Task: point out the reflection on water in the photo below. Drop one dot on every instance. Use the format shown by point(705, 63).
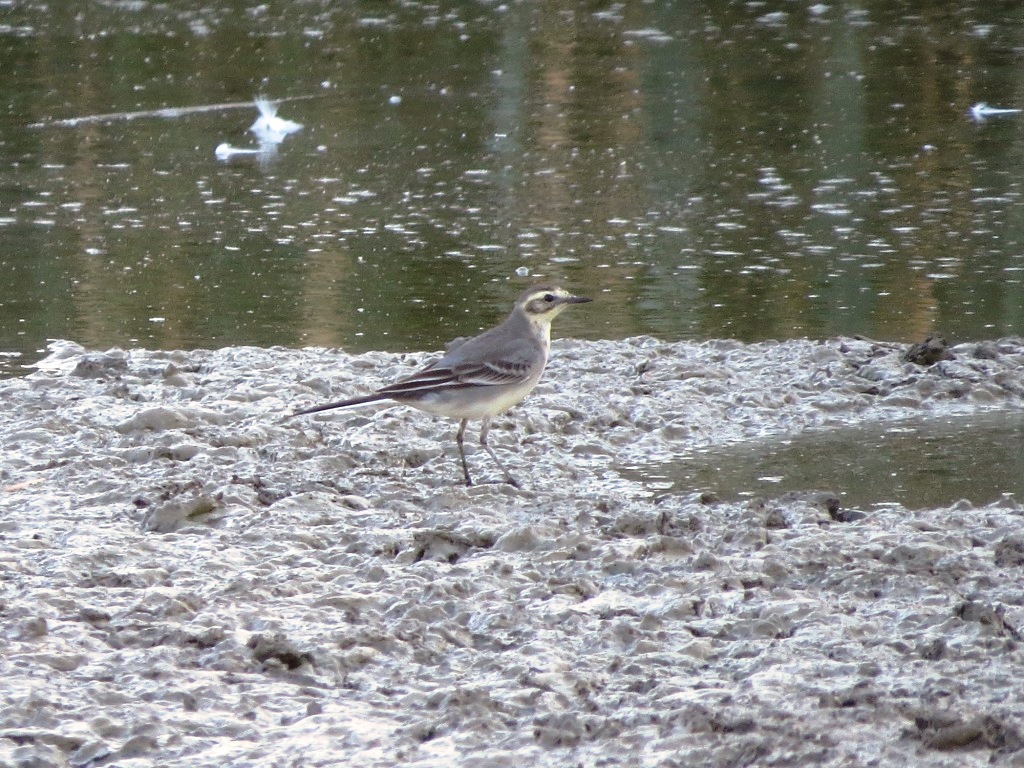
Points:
point(919, 464)
point(704, 171)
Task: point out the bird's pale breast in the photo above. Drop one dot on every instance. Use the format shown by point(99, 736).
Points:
point(472, 402)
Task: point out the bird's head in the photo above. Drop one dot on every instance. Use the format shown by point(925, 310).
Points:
point(544, 302)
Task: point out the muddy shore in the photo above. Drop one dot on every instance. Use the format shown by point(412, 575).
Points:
point(189, 579)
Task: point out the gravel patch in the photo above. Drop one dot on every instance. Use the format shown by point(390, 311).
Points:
point(191, 579)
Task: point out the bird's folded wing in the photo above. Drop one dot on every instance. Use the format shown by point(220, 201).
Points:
point(493, 373)
point(440, 377)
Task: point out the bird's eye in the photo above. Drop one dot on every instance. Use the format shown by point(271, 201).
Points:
point(549, 297)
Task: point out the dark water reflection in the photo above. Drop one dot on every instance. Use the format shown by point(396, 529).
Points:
point(705, 170)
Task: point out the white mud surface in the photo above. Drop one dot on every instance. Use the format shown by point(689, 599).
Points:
point(188, 580)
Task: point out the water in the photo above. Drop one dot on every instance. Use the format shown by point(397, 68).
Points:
point(921, 464)
point(724, 171)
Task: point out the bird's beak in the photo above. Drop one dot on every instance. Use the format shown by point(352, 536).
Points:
point(576, 300)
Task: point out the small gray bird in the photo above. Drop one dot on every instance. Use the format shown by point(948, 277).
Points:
point(485, 375)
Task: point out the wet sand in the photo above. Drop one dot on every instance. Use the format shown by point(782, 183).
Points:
point(191, 580)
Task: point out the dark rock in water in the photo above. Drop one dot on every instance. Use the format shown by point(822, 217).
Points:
point(928, 352)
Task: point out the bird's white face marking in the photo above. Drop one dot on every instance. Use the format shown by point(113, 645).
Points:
point(545, 303)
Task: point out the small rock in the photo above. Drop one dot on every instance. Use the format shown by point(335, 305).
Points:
point(986, 350)
point(948, 732)
point(156, 419)
point(1009, 551)
point(849, 515)
point(523, 539)
point(976, 608)
point(32, 629)
point(102, 366)
point(558, 730)
point(916, 555)
point(826, 500)
point(447, 546)
point(276, 647)
point(928, 352)
point(177, 513)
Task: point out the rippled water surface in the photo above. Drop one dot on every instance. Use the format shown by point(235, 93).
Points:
point(705, 169)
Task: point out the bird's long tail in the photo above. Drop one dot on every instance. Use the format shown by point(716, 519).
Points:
point(341, 404)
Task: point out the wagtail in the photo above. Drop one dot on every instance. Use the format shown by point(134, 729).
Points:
point(485, 375)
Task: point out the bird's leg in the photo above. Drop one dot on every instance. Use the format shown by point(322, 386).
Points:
point(484, 429)
point(462, 452)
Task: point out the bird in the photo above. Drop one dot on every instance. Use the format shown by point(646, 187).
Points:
point(268, 127)
point(482, 376)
